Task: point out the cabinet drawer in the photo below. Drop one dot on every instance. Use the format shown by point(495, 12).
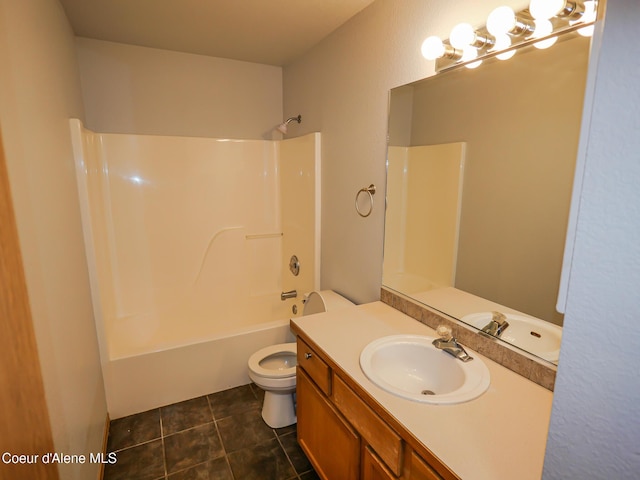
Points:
point(314, 366)
point(386, 443)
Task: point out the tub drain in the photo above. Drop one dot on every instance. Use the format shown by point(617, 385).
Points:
point(428, 392)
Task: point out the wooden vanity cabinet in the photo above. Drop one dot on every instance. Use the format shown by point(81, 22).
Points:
point(344, 437)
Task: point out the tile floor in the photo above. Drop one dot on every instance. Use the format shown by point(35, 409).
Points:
point(217, 436)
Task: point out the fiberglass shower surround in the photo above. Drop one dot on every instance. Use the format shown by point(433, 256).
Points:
point(188, 243)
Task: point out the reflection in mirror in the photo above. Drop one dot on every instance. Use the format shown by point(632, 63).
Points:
point(423, 220)
point(480, 170)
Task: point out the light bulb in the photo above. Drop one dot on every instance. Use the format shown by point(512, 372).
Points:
point(586, 31)
point(542, 44)
point(501, 21)
point(590, 14)
point(432, 48)
point(462, 35)
point(474, 64)
point(543, 29)
point(503, 42)
point(469, 53)
point(545, 9)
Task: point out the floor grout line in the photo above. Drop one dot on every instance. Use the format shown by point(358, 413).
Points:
point(164, 453)
point(293, 467)
point(136, 445)
point(190, 428)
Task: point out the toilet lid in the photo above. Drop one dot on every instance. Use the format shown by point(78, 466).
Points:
point(314, 304)
point(260, 355)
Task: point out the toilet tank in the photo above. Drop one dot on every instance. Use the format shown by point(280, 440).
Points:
point(324, 301)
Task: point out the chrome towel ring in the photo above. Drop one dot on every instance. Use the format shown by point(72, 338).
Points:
point(370, 190)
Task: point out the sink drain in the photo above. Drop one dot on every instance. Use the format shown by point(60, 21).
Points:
point(428, 392)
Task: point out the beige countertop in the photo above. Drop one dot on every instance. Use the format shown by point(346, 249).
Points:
point(500, 435)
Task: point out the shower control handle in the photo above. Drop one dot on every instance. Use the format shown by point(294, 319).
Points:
point(294, 265)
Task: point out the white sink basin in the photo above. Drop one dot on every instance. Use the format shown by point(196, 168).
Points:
point(531, 334)
point(409, 366)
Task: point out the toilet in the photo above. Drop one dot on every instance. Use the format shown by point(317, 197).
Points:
point(273, 368)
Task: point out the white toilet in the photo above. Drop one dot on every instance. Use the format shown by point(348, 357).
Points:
point(273, 368)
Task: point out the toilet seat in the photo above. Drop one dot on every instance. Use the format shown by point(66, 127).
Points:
point(260, 355)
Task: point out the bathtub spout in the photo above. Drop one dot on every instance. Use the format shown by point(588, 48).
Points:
point(289, 294)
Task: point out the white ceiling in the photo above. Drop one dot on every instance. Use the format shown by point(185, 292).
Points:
point(273, 32)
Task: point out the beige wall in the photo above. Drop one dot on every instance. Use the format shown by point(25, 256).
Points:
point(39, 90)
point(341, 88)
point(130, 89)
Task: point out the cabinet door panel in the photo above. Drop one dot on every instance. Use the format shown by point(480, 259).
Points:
point(332, 446)
point(373, 468)
point(421, 471)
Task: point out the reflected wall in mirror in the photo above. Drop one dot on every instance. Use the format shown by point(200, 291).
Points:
point(496, 216)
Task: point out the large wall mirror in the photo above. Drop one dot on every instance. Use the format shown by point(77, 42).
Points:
point(480, 171)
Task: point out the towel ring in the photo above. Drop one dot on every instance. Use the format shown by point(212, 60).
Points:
point(370, 190)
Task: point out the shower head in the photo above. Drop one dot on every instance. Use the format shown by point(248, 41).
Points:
point(282, 128)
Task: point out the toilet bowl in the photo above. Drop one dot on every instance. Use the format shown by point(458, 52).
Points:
point(273, 368)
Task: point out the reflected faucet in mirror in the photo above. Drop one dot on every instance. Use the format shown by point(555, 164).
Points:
point(497, 325)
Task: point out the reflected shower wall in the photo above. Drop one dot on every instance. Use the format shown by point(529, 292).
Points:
point(424, 195)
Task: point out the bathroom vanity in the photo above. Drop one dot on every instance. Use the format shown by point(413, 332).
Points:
point(352, 429)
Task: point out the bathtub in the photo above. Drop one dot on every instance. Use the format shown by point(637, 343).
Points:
point(152, 379)
point(188, 243)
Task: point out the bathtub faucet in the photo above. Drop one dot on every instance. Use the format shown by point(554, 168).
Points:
point(289, 294)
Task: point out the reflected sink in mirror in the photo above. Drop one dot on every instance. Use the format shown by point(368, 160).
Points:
point(535, 336)
point(409, 366)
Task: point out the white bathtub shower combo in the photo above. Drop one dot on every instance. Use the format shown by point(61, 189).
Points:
point(188, 243)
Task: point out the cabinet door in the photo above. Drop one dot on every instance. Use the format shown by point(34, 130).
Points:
point(331, 445)
point(420, 470)
point(373, 468)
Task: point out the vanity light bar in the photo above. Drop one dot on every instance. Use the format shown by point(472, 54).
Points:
point(506, 30)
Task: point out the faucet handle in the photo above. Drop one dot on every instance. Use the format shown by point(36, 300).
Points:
point(444, 332)
point(498, 317)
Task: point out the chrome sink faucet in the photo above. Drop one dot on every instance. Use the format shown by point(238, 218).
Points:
point(450, 345)
point(497, 325)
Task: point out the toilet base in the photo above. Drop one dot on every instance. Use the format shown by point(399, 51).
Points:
point(278, 409)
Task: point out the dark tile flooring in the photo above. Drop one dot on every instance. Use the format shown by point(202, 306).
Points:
point(217, 436)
